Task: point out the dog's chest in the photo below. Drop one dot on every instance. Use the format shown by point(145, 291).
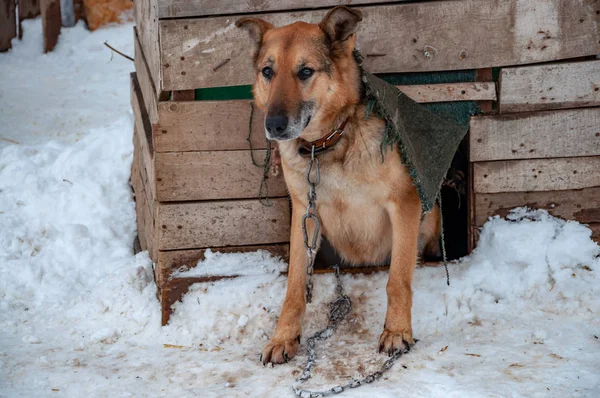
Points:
point(351, 205)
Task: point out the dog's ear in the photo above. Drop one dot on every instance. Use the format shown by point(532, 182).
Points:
point(339, 24)
point(256, 27)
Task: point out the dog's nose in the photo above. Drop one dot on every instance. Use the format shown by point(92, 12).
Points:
point(276, 124)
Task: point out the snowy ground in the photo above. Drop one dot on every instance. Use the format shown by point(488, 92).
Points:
point(78, 314)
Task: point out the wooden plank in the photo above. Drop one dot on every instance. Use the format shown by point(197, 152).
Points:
point(450, 92)
point(28, 9)
point(405, 38)
point(149, 92)
point(145, 217)
point(142, 151)
point(536, 175)
point(225, 223)
point(549, 134)
point(147, 29)
point(170, 261)
point(555, 86)
point(208, 126)
point(144, 134)
point(595, 227)
point(582, 205)
point(223, 125)
point(183, 95)
point(51, 23)
point(211, 175)
point(196, 8)
point(8, 24)
point(470, 207)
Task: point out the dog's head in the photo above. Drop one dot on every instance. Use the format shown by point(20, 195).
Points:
point(305, 73)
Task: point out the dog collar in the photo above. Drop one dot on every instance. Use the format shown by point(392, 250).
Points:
point(323, 144)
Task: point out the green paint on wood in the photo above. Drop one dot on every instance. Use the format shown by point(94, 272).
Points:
point(223, 93)
point(457, 111)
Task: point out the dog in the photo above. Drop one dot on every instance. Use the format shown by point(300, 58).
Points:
point(308, 86)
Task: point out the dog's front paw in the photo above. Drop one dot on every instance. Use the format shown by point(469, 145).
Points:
point(280, 351)
point(396, 342)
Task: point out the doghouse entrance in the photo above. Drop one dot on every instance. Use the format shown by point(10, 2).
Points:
point(454, 212)
point(447, 94)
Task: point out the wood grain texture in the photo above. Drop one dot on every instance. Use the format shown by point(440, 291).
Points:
point(170, 261)
point(499, 33)
point(225, 223)
point(207, 126)
point(595, 231)
point(144, 214)
point(51, 23)
point(556, 86)
point(536, 175)
point(28, 9)
point(144, 77)
point(425, 93)
point(8, 23)
point(195, 8)
point(143, 136)
point(211, 175)
point(183, 95)
point(582, 205)
point(146, 20)
point(564, 133)
point(223, 125)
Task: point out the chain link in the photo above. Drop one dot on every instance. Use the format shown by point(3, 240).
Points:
point(311, 214)
point(338, 311)
point(339, 308)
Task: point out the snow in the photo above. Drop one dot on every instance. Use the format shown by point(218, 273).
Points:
point(79, 315)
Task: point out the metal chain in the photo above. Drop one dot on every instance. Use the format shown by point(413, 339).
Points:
point(338, 310)
point(442, 240)
point(263, 190)
point(311, 213)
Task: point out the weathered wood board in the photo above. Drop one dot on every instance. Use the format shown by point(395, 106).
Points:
point(223, 125)
point(426, 93)
point(144, 136)
point(170, 261)
point(144, 214)
point(146, 20)
point(208, 126)
point(8, 23)
point(28, 9)
point(191, 225)
point(195, 8)
point(555, 86)
point(210, 175)
point(536, 174)
point(548, 134)
point(144, 77)
point(198, 175)
point(51, 23)
point(582, 205)
point(393, 38)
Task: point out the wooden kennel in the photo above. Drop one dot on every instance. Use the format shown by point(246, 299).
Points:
point(534, 142)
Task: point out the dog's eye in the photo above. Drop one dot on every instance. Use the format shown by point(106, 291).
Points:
point(305, 73)
point(267, 72)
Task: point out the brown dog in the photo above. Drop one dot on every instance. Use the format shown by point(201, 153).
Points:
point(308, 85)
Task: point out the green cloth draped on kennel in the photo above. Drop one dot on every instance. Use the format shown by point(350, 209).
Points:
point(427, 142)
